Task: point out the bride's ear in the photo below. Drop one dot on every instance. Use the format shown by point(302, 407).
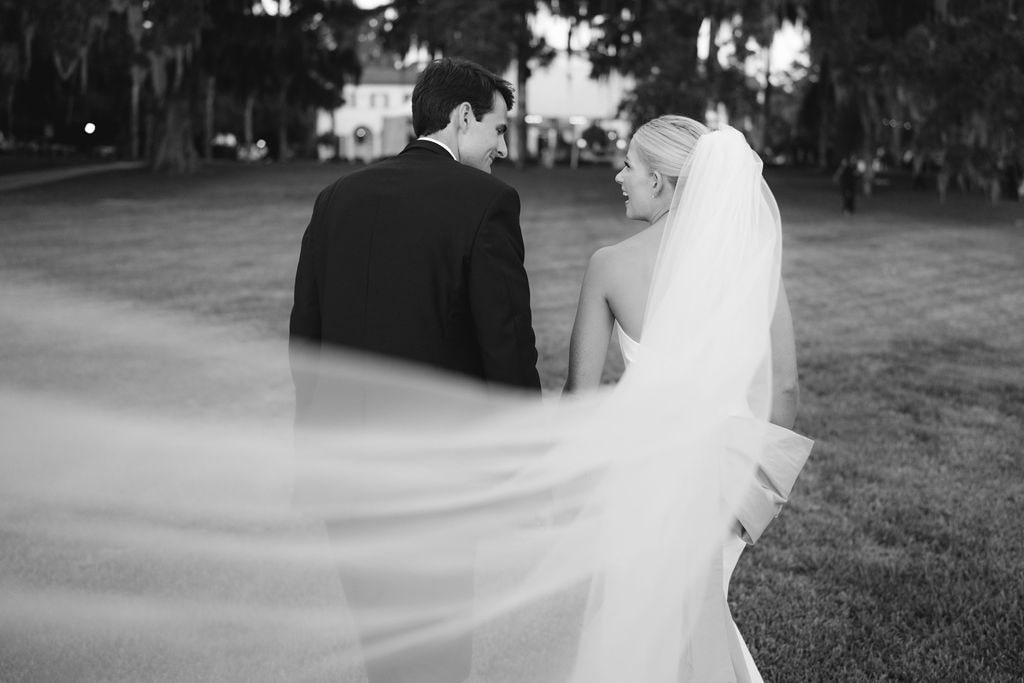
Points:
point(657, 183)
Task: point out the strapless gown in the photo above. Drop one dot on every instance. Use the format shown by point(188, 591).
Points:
point(733, 546)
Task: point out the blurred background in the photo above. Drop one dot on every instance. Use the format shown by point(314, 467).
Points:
point(929, 88)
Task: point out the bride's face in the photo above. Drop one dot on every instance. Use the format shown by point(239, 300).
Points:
point(636, 181)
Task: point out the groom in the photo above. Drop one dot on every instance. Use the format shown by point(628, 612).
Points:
point(420, 257)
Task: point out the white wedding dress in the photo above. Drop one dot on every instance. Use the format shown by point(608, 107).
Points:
point(732, 547)
point(174, 528)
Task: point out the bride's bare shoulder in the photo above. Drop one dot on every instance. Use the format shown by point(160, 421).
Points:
point(620, 260)
point(630, 252)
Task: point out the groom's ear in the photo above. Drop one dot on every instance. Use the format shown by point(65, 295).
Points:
point(460, 116)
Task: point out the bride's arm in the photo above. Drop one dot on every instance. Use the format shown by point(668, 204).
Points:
point(785, 387)
point(774, 479)
point(588, 345)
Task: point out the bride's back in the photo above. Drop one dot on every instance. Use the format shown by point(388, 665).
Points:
point(630, 268)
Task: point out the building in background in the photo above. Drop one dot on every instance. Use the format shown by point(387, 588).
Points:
point(376, 119)
point(571, 117)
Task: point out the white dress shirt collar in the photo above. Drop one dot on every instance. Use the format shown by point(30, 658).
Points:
point(438, 142)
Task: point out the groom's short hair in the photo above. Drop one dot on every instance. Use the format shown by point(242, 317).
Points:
point(447, 83)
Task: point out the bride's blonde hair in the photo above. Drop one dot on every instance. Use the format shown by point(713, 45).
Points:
point(666, 144)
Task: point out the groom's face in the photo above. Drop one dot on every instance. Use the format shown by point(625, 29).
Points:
point(481, 142)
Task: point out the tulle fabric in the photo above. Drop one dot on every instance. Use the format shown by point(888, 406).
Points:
point(161, 520)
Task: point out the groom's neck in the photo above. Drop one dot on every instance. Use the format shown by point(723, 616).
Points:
point(445, 138)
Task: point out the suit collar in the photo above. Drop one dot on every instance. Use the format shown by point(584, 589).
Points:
point(428, 145)
point(441, 144)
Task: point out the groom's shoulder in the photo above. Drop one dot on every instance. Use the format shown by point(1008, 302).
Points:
point(350, 184)
point(470, 182)
point(412, 177)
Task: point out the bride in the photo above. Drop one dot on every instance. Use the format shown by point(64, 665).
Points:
point(615, 289)
point(180, 531)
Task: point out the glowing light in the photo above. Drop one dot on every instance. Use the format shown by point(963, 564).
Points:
point(534, 118)
point(261, 144)
point(90, 128)
point(578, 120)
point(581, 143)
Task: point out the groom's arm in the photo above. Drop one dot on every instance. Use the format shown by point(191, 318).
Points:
point(304, 325)
point(499, 295)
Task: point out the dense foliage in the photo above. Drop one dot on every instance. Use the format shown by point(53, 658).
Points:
point(933, 84)
point(143, 71)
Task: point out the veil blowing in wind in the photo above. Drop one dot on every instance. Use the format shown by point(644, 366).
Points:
point(185, 532)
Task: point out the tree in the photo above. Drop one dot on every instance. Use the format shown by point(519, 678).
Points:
point(849, 48)
point(960, 80)
point(311, 57)
point(657, 42)
point(166, 35)
point(297, 60)
point(68, 29)
point(10, 60)
point(173, 54)
point(943, 75)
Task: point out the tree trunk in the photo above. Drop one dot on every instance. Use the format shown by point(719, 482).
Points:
point(174, 150)
point(147, 147)
point(522, 75)
point(134, 123)
point(10, 112)
point(826, 109)
point(282, 123)
point(250, 104)
point(869, 116)
point(83, 56)
point(211, 95)
point(711, 67)
point(521, 127)
point(766, 108)
point(312, 145)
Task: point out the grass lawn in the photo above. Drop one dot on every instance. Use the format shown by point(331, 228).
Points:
point(901, 556)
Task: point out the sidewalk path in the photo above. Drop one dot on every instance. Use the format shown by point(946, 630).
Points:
point(16, 181)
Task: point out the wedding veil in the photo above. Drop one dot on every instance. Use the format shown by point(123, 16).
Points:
point(159, 519)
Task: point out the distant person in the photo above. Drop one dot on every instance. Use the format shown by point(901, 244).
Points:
point(846, 175)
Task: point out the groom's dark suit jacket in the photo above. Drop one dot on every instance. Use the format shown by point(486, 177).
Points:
point(419, 257)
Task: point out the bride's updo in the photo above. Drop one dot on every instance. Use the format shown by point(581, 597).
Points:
point(666, 144)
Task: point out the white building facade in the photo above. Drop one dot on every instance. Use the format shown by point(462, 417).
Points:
point(562, 102)
point(376, 119)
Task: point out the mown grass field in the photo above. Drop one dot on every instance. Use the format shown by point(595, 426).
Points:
point(901, 556)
